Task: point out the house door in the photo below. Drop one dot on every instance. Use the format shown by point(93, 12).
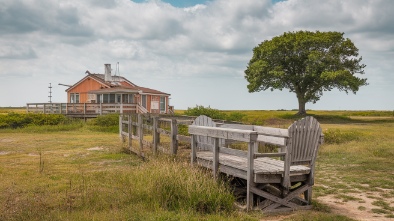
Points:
point(143, 98)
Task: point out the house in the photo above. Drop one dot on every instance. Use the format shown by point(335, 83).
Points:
point(116, 90)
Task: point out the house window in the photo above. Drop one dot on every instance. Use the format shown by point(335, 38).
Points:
point(144, 101)
point(105, 98)
point(162, 104)
point(74, 97)
point(111, 98)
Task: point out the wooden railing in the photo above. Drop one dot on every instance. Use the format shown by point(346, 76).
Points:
point(81, 108)
point(138, 126)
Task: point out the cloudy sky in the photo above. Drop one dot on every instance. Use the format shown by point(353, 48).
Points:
point(196, 50)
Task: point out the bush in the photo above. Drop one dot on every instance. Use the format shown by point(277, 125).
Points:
point(105, 123)
point(207, 111)
point(16, 120)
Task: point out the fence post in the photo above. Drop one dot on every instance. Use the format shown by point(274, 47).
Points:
point(120, 126)
point(174, 141)
point(194, 148)
point(130, 130)
point(249, 175)
point(140, 132)
point(156, 135)
point(215, 165)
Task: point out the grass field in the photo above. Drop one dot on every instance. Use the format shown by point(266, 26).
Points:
point(81, 174)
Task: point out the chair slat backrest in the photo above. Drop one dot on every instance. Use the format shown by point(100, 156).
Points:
point(305, 138)
point(203, 143)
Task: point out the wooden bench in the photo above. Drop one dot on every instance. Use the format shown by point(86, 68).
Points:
point(282, 180)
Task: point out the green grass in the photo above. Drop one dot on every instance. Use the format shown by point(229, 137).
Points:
point(76, 172)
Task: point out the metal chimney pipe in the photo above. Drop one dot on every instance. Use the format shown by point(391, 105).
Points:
point(107, 75)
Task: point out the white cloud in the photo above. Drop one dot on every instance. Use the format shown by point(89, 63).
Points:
point(198, 54)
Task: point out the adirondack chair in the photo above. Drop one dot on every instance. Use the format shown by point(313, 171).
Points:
point(295, 189)
point(204, 143)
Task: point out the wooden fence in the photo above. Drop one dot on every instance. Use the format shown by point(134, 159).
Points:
point(147, 129)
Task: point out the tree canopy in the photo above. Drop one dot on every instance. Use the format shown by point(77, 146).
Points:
point(307, 63)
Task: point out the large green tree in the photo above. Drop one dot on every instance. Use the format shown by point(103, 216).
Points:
point(307, 63)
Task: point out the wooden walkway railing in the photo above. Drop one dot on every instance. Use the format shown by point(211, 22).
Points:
point(147, 129)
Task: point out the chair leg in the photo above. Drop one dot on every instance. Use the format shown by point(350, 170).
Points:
point(308, 195)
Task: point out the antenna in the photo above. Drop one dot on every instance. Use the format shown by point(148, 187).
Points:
point(50, 93)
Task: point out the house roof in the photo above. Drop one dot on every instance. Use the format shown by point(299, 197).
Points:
point(118, 85)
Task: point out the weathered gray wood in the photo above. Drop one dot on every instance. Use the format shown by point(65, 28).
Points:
point(224, 133)
point(204, 121)
point(299, 146)
point(130, 132)
point(156, 135)
point(140, 134)
point(174, 141)
point(281, 141)
point(193, 149)
point(250, 175)
point(215, 165)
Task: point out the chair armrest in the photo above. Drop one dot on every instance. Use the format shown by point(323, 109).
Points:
point(257, 155)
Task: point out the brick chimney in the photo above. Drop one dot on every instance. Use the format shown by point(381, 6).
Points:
point(107, 75)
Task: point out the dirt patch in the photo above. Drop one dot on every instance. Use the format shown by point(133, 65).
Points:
point(359, 210)
point(4, 152)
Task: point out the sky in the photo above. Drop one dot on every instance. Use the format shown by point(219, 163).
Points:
point(195, 50)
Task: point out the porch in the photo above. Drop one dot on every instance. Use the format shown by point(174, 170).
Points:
point(84, 109)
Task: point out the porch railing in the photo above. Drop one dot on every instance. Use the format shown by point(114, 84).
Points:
point(81, 108)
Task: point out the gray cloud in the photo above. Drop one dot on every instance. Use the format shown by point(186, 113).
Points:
point(158, 44)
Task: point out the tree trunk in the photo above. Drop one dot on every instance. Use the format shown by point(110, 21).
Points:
point(301, 105)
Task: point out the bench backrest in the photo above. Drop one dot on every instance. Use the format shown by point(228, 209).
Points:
point(204, 143)
point(305, 137)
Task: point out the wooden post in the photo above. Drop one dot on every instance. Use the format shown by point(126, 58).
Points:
point(120, 127)
point(156, 135)
point(140, 133)
point(44, 109)
point(250, 175)
point(130, 131)
point(174, 141)
point(101, 108)
point(215, 165)
point(84, 108)
point(27, 108)
point(194, 149)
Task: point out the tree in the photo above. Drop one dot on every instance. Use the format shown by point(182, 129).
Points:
point(307, 63)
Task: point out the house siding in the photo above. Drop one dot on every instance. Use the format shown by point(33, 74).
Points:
point(82, 88)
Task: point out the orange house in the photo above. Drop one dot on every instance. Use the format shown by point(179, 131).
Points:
point(108, 89)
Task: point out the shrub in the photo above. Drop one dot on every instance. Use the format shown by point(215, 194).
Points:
point(17, 120)
point(207, 111)
point(105, 123)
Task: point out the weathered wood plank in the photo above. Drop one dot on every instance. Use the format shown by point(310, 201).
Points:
point(224, 133)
